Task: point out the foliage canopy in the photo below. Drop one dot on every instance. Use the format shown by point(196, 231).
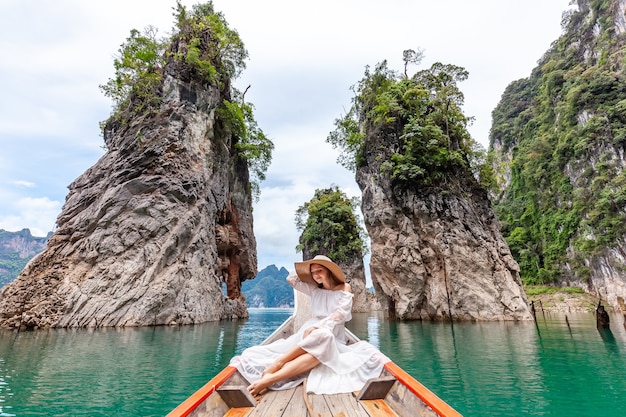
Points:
point(422, 118)
point(204, 49)
point(330, 227)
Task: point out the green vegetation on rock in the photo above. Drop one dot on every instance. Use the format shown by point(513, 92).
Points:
point(203, 50)
point(423, 117)
point(564, 129)
point(330, 227)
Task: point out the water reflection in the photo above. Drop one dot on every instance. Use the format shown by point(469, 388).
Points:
point(132, 372)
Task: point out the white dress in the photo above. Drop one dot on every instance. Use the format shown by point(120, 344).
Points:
point(343, 368)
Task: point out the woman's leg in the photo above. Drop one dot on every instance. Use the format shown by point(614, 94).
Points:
point(299, 364)
point(288, 356)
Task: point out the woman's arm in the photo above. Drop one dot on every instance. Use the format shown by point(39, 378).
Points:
point(343, 313)
point(295, 282)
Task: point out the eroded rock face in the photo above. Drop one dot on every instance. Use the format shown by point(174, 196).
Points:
point(355, 276)
point(149, 233)
point(439, 255)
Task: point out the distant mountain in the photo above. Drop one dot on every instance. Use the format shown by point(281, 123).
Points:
point(269, 289)
point(16, 249)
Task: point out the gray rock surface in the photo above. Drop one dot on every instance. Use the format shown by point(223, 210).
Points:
point(438, 254)
point(149, 234)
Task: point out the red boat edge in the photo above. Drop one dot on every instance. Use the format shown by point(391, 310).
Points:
point(202, 394)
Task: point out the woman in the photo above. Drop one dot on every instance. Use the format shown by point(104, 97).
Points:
point(318, 351)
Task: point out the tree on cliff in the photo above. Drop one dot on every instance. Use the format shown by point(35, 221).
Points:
point(330, 227)
point(212, 53)
point(424, 115)
point(151, 232)
point(437, 250)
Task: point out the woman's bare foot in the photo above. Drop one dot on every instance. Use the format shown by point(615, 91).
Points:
point(261, 385)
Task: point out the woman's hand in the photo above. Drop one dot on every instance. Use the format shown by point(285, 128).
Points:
point(308, 331)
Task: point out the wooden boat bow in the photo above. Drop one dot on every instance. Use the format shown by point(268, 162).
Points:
point(394, 394)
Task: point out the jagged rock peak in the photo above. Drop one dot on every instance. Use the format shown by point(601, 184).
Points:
point(439, 255)
point(150, 233)
point(436, 248)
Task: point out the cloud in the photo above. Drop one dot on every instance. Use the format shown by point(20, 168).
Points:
point(36, 214)
point(22, 183)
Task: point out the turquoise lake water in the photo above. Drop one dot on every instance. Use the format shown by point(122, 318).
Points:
point(481, 369)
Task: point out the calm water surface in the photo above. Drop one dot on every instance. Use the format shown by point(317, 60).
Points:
point(481, 369)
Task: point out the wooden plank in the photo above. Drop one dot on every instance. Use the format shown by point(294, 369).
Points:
point(344, 405)
point(272, 403)
point(238, 412)
point(378, 408)
point(376, 388)
point(440, 407)
point(318, 406)
point(213, 406)
point(236, 396)
point(405, 403)
point(297, 406)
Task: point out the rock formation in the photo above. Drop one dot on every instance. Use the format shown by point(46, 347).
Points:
point(558, 144)
point(439, 255)
point(151, 232)
point(437, 252)
point(331, 229)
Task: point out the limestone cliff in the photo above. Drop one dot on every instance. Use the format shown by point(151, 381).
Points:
point(151, 232)
point(439, 254)
point(558, 146)
point(436, 248)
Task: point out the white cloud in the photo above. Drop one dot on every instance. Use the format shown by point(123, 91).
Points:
point(23, 183)
point(36, 214)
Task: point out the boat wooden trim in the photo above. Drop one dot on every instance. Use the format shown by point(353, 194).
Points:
point(433, 401)
point(203, 393)
point(394, 394)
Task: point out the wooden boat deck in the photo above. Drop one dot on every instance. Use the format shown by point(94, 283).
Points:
point(394, 394)
point(291, 403)
point(405, 397)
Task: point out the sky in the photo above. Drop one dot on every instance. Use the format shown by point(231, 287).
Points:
point(303, 59)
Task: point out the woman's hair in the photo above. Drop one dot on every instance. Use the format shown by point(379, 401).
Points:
point(330, 274)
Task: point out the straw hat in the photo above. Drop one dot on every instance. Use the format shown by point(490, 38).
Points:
point(303, 269)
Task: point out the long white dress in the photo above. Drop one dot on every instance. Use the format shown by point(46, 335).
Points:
point(343, 368)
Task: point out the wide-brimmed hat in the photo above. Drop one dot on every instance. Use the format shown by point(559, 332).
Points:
point(303, 269)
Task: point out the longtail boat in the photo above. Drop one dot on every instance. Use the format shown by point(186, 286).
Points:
point(394, 393)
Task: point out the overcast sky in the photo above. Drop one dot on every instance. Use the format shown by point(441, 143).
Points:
point(304, 56)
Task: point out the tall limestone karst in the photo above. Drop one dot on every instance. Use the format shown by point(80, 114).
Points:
point(436, 248)
point(149, 234)
point(557, 144)
point(329, 227)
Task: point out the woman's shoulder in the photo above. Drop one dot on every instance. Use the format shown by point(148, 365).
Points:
point(343, 287)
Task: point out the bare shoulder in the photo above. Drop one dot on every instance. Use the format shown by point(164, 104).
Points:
point(343, 287)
